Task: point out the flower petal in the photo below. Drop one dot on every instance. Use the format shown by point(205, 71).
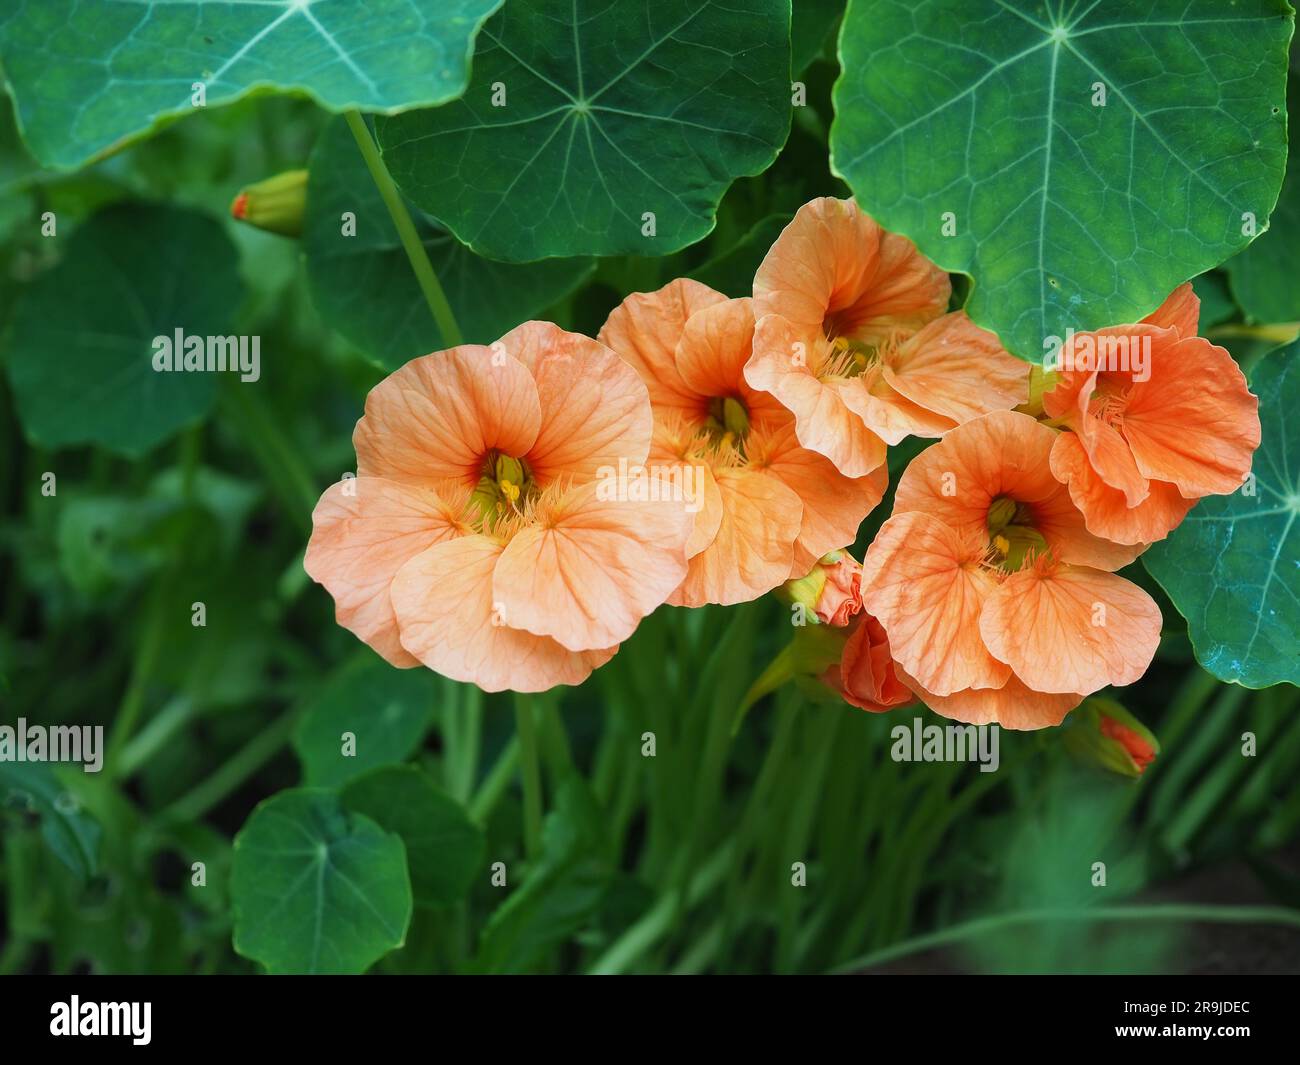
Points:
point(1105, 509)
point(1194, 422)
point(1180, 312)
point(589, 568)
point(925, 585)
point(364, 529)
point(866, 676)
point(1071, 629)
point(1013, 706)
point(645, 329)
point(439, 415)
point(753, 550)
point(443, 602)
point(594, 407)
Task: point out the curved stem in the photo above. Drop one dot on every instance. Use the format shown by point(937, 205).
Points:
point(411, 243)
point(531, 771)
point(1002, 921)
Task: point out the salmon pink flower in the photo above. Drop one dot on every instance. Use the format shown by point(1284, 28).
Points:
point(768, 508)
point(1158, 417)
point(852, 338)
point(998, 603)
point(866, 676)
point(475, 538)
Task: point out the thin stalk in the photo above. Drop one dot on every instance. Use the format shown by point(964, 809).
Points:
point(530, 771)
point(411, 243)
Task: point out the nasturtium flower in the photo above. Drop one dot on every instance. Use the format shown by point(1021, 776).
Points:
point(1157, 418)
point(478, 537)
point(766, 508)
point(1105, 734)
point(998, 603)
point(852, 338)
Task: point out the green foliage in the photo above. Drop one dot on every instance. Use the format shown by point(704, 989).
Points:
point(1067, 213)
point(611, 112)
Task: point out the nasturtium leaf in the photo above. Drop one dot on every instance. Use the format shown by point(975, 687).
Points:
point(1233, 567)
point(32, 789)
point(81, 351)
point(810, 24)
point(87, 76)
point(383, 711)
point(1078, 162)
point(444, 848)
point(363, 286)
point(589, 125)
point(1263, 276)
point(316, 888)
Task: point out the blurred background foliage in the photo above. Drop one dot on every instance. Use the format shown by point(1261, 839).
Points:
point(680, 862)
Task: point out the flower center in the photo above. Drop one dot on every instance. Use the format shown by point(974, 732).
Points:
point(1108, 402)
point(1013, 539)
point(728, 422)
point(849, 358)
point(504, 486)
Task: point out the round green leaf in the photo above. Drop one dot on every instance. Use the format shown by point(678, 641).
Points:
point(444, 848)
point(584, 118)
point(1233, 567)
point(363, 286)
point(86, 76)
point(80, 355)
point(1078, 166)
point(316, 888)
point(384, 711)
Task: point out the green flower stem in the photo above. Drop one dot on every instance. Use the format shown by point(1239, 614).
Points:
point(530, 771)
point(279, 458)
point(146, 658)
point(982, 926)
point(411, 243)
point(495, 783)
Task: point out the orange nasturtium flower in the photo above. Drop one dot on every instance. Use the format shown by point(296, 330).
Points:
point(998, 603)
point(766, 508)
point(1160, 417)
point(853, 339)
point(478, 537)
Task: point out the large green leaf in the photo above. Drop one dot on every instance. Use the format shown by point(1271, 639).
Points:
point(363, 286)
point(386, 711)
point(87, 76)
point(316, 888)
point(1233, 567)
point(1066, 214)
point(444, 848)
point(80, 355)
point(613, 109)
point(1263, 276)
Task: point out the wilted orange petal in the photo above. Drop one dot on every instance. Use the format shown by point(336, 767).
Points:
point(833, 505)
point(364, 530)
point(1194, 423)
point(589, 569)
point(1012, 706)
point(645, 329)
point(753, 550)
point(1106, 511)
point(448, 620)
point(955, 368)
point(1071, 629)
point(866, 676)
point(594, 408)
point(439, 415)
point(784, 364)
point(1181, 311)
point(927, 588)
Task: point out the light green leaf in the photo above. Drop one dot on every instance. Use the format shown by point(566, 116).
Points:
point(386, 711)
point(611, 111)
point(1233, 567)
point(316, 888)
point(1068, 213)
point(87, 76)
point(80, 355)
point(444, 848)
point(31, 789)
point(363, 286)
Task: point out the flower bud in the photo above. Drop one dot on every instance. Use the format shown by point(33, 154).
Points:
point(1103, 733)
point(275, 204)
